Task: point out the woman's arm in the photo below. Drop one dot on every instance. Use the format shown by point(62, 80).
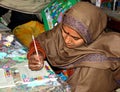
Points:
point(32, 49)
point(36, 61)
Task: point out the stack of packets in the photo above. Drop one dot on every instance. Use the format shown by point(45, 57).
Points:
point(15, 74)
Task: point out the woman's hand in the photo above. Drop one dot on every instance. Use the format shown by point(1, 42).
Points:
point(36, 62)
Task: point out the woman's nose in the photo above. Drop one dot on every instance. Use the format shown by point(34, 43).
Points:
point(67, 39)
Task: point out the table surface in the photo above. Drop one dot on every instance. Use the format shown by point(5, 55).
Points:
point(10, 68)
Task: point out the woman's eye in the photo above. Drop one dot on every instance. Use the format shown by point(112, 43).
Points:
point(76, 38)
point(65, 32)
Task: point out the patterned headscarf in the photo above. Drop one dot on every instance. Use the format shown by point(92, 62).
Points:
point(88, 21)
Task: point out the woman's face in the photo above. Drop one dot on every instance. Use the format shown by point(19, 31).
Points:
point(71, 37)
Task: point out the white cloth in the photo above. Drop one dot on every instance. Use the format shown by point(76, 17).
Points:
point(26, 6)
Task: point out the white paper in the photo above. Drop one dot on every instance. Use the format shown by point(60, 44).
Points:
point(26, 74)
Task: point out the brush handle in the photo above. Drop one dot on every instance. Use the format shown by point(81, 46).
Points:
point(35, 45)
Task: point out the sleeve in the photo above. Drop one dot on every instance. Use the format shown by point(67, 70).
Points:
point(32, 49)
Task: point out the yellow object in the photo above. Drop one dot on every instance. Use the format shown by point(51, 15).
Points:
point(25, 31)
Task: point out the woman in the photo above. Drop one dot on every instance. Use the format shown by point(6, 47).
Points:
point(80, 43)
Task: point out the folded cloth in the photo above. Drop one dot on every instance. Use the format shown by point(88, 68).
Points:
point(26, 6)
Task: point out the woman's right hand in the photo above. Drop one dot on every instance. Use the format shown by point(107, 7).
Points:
point(36, 62)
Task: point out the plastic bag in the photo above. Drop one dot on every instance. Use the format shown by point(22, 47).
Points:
point(25, 31)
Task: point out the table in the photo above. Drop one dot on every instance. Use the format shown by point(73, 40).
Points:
point(15, 76)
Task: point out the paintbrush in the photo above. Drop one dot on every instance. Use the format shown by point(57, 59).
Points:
point(33, 38)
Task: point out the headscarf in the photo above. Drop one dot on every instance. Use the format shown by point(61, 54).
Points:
point(101, 50)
